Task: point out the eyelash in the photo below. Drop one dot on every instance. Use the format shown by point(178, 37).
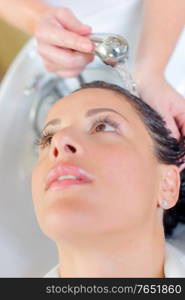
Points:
point(46, 137)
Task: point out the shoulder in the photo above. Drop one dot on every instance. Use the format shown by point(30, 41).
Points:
point(174, 265)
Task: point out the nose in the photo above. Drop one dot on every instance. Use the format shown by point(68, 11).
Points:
point(64, 146)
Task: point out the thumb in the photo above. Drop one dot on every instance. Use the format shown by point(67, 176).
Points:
point(172, 126)
point(70, 22)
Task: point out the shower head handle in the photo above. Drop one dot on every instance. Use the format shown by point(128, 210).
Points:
point(110, 48)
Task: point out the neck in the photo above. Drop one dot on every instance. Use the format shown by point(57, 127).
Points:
point(133, 255)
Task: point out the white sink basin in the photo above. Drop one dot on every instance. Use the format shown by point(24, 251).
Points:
point(25, 251)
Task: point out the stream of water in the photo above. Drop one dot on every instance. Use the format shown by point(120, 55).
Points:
point(128, 82)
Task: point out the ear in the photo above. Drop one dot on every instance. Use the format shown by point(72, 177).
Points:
point(170, 186)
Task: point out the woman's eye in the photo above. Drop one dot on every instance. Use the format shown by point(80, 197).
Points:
point(101, 124)
point(44, 140)
point(105, 125)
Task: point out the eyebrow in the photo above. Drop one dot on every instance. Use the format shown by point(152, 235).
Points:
point(89, 113)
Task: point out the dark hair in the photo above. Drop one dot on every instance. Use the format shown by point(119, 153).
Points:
point(168, 149)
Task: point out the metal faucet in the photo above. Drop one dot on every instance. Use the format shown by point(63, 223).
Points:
point(113, 51)
point(111, 48)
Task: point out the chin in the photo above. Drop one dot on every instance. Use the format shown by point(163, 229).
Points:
point(66, 225)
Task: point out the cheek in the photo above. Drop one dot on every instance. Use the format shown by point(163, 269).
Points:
point(122, 165)
point(127, 183)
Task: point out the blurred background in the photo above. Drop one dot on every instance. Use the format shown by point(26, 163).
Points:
point(11, 41)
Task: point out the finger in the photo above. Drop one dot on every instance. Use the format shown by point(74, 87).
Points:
point(183, 129)
point(53, 35)
point(70, 22)
point(71, 40)
point(172, 126)
point(180, 120)
point(65, 58)
point(181, 167)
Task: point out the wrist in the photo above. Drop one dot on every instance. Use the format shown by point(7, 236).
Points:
point(36, 13)
point(148, 79)
point(151, 87)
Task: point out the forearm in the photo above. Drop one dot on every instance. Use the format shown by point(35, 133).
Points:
point(163, 21)
point(23, 14)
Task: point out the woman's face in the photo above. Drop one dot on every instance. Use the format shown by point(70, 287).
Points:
point(119, 155)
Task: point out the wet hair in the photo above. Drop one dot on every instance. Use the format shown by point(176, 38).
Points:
point(168, 150)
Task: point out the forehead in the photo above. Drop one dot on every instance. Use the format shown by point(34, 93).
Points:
point(77, 103)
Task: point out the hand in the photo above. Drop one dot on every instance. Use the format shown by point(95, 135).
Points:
point(63, 43)
point(170, 104)
point(164, 99)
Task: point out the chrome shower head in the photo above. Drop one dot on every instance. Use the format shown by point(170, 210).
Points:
point(111, 48)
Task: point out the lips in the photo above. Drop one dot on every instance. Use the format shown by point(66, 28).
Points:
point(53, 180)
